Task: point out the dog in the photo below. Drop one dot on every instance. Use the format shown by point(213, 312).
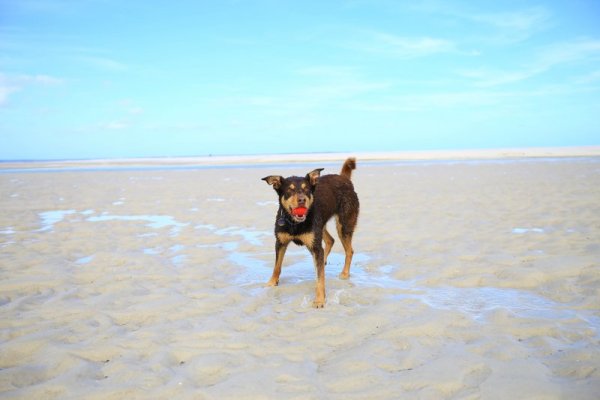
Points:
point(305, 205)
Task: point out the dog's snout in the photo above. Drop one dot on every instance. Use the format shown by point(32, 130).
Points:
point(301, 199)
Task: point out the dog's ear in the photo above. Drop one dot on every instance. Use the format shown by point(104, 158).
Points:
point(274, 180)
point(314, 175)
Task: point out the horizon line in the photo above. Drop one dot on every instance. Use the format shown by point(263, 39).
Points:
point(245, 159)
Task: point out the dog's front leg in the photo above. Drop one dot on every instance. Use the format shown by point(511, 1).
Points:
point(319, 259)
point(280, 248)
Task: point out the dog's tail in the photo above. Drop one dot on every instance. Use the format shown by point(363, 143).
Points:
point(347, 168)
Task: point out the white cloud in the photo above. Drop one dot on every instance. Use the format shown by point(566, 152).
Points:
point(485, 77)
point(115, 125)
point(400, 46)
point(552, 56)
point(317, 88)
point(25, 79)
point(466, 99)
point(14, 83)
point(45, 80)
point(328, 71)
point(567, 52)
point(327, 82)
point(507, 27)
point(338, 90)
point(589, 78)
point(528, 20)
point(130, 107)
point(104, 63)
point(437, 100)
point(5, 91)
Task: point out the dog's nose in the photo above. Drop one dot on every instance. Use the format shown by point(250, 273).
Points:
point(301, 200)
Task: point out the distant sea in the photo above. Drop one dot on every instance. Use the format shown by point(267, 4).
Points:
point(307, 159)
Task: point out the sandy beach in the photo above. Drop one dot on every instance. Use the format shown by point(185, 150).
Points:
point(473, 278)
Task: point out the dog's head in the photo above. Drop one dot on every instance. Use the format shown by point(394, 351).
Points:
point(295, 193)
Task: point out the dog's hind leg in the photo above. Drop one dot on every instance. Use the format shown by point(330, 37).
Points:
point(345, 233)
point(280, 249)
point(329, 241)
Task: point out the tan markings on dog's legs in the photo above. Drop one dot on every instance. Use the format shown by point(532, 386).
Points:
point(329, 241)
point(347, 243)
point(280, 247)
point(320, 287)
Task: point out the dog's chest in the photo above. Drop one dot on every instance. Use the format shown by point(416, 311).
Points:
point(302, 239)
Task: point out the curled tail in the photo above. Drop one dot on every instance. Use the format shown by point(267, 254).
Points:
point(349, 165)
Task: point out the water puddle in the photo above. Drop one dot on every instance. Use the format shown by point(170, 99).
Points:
point(250, 263)
point(476, 302)
point(528, 230)
point(153, 221)
point(178, 260)
point(251, 236)
point(50, 218)
point(84, 260)
point(153, 251)
point(176, 248)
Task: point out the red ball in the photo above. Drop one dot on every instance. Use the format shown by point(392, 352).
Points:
point(299, 212)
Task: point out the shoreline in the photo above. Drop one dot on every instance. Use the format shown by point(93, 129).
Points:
point(268, 159)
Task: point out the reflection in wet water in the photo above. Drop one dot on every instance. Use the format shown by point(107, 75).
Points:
point(476, 302)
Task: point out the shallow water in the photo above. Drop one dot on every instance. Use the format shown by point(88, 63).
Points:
point(474, 302)
point(50, 218)
point(154, 221)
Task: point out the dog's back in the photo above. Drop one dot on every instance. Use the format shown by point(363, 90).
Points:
point(335, 195)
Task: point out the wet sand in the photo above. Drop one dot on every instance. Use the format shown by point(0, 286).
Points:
point(471, 279)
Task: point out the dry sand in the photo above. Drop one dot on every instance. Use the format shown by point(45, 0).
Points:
point(471, 280)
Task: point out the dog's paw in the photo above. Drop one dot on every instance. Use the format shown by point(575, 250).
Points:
point(344, 276)
point(319, 303)
point(272, 282)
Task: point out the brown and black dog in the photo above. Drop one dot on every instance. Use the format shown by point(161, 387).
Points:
point(305, 206)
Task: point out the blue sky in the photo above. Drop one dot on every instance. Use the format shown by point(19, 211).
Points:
point(113, 78)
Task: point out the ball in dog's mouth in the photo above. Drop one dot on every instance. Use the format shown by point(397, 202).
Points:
point(299, 211)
